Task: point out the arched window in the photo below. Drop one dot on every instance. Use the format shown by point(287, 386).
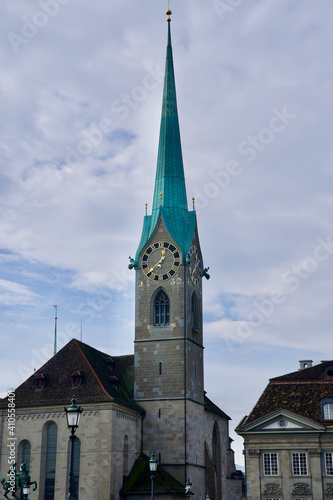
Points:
point(125, 457)
point(328, 411)
point(327, 408)
point(194, 313)
point(161, 309)
point(24, 452)
point(50, 461)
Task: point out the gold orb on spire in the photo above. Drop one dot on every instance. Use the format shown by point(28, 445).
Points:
point(168, 12)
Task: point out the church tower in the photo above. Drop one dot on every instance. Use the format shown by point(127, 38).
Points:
point(168, 359)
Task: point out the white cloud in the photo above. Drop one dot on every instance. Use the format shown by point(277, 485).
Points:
point(76, 224)
point(12, 293)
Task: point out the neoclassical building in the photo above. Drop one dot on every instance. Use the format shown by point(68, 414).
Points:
point(289, 437)
point(152, 401)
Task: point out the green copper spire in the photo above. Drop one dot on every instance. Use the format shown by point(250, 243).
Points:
point(169, 201)
point(170, 188)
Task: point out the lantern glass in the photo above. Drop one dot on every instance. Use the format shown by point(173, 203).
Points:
point(153, 463)
point(73, 418)
point(73, 414)
point(26, 490)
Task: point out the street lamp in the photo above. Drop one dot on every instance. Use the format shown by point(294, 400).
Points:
point(153, 469)
point(73, 414)
point(188, 488)
point(208, 496)
point(25, 489)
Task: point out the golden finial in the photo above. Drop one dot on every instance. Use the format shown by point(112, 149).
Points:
point(161, 195)
point(146, 205)
point(169, 12)
point(193, 201)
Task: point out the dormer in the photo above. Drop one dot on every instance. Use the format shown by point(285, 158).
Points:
point(115, 382)
point(328, 372)
point(40, 381)
point(76, 379)
point(110, 363)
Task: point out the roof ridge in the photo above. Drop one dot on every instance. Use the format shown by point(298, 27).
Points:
point(92, 369)
point(300, 381)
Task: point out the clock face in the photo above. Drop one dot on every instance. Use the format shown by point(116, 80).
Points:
point(195, 266)
point(160, 261)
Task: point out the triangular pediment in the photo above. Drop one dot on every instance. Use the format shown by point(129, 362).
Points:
point(280, 421)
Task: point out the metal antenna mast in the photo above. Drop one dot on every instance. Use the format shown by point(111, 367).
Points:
point(55, 330)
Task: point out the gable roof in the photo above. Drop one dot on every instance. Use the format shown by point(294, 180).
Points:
point(139, 480)
point(298, 392)
point(98, 379)
point(101, 375)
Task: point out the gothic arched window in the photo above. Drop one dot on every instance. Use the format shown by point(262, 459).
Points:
point(161, 309)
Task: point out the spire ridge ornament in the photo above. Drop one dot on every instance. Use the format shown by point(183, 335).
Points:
point(169, 12)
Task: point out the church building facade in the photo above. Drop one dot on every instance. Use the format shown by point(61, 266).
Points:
point(150, 402)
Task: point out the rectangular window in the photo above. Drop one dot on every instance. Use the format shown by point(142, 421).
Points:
point(299, 463)
point(160, 368)
point(271, 464)
point(329, 464)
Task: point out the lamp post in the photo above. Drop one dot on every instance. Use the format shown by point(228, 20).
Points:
point(25, 489)
point(23, 481)
point(188, 488)
point(73, 414)
point(153, 469)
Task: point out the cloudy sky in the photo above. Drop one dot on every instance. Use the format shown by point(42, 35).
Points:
point(80, 91)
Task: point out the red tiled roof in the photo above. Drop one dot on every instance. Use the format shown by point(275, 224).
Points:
point(299, 392)
point(96, 385)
